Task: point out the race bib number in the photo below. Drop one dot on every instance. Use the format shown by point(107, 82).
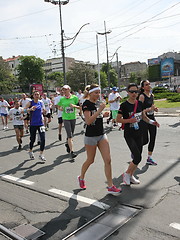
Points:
point(69, 110)
point(42, 129)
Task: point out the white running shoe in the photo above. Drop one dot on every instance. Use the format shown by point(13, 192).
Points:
point(126, 178)
point(42, 157)
point(31, 155)
point(134, 180)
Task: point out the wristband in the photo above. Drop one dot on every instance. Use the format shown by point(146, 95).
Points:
point(151, 122)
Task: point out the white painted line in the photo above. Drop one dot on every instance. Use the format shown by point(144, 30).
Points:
point(175, 225)
point(15, 179)
point(80, 198)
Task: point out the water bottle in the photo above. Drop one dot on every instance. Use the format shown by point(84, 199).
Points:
point(136, 125)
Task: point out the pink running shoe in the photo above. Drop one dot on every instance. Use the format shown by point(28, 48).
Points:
point(81, 183)
point(114, 190)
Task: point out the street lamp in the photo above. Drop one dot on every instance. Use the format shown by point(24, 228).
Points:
point(62, 32)
point(103, 33)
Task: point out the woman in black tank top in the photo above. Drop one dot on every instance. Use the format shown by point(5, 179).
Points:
point(149, 131)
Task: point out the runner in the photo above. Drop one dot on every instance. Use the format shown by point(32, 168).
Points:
point(131, 114)
point(36, 109)
point(16, 114)
point(4, 105)
point(23, 102)
point(149, 131)
point(68, 104)
point(48, 105)
point(96, 138)
point(114, 100)
point(59, 113)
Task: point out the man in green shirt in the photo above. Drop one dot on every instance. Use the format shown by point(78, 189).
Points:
point(68, 105)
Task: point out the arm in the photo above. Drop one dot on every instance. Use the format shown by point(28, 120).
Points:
point(120, 119)
point(90, 119)
point(149, 121)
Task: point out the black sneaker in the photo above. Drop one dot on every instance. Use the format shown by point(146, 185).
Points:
point(73, 155)
point(67, 148)
point(20, 147)
point(60, 137)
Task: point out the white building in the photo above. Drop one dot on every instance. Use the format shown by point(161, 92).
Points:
point(13, 63)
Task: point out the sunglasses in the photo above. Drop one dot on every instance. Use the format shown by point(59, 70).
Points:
point(133, 91)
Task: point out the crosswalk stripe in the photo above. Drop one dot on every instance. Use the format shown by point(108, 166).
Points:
point(17, 179)
point(80, 198)
point(175, 225)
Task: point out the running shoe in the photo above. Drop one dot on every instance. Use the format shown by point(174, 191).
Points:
point(31, 155)
point(19, 147)
point(67, 148)
point(150, 161)
point(81, 183)
point(126, 178)
point(60, 137)
point(114, 190)
point(73, 155)
point(42, 157)
point(134, 180)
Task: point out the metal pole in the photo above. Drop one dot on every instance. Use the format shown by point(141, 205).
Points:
point(108, 76)
point(62, 43)
point(99, 78)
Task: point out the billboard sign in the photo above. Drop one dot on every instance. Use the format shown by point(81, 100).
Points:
point(167, 68)
point(154, 61)
point(36, 87)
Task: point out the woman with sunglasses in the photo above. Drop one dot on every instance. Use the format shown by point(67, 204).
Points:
point(96, 138)
point(131, 115)
point(149, 131)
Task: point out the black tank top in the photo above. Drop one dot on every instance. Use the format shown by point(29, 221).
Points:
point(148, 102)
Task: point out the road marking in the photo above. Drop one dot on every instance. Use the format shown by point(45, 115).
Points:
point(175, 225)
point(80, 198)
point(15, 179)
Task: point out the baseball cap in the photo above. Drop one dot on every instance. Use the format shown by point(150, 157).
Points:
point(66, 87)
point(114, 89)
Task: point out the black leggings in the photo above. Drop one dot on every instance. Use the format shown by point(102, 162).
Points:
point(33, 130)
point(149, 136)
point(135, 144)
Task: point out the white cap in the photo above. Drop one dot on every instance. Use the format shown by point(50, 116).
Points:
point(66, 87)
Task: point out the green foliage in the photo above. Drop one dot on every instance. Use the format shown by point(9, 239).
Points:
point(57, 77)
point(159, 90)
point(7, 80)
point(79, 75)
point(174, 98)
point(112, 75)
point(154, 73)
point(30, 70)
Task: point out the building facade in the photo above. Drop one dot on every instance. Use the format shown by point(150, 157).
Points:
point(13, 63)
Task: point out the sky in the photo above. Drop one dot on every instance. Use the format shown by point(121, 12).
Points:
point(139, 29)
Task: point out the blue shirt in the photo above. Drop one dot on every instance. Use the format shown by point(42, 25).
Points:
point(36, 117)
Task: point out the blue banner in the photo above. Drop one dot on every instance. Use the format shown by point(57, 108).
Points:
point(167, 67)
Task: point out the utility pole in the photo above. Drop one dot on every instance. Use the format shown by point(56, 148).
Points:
point(108, 76)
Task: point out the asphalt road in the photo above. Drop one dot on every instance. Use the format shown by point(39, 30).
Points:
point(47, 195)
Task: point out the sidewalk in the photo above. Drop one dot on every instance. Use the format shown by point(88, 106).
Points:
point(174, 112)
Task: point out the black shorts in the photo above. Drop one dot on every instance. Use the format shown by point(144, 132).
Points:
point(20, 127)
point(48, 115)
point(60, 121)
point(27, 117)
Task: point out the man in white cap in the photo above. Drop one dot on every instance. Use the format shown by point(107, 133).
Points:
point(114, 100)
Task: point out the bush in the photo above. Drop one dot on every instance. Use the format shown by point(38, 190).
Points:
point(163, 95)
point(159, 90)
point(174, 98)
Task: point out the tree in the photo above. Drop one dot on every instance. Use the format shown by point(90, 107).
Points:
point(57, 77)
point(112, 74)
point(154, 73)
point(79, 75)
point(30, 70)
point(7, 80)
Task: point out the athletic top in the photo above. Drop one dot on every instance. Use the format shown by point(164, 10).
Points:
point(36, 117)
point(24, 102)
point(95, 128)
point(69, 113)
point(126, 109)
point(17, 116)
point(4, 107)
point(114, 105)
point(47, 103)
point(148, 102)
